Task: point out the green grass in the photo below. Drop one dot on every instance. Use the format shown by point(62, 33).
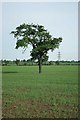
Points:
point(0, 92)
point(52, 94)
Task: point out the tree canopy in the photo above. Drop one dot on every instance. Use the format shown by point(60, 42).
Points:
point(39, 38)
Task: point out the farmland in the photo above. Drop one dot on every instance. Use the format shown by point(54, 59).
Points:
point(51, 94)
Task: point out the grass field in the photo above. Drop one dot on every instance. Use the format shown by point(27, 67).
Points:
point(52, 94)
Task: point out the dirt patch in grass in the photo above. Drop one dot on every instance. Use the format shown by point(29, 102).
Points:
point(23, 89)
point(30, 108)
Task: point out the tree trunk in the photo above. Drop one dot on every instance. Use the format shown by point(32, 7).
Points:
point(40, 65)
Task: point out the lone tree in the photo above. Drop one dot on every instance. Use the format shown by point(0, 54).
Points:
point(39, 38)
point(17, 62)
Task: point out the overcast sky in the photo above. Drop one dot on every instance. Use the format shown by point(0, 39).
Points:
point(59, 18)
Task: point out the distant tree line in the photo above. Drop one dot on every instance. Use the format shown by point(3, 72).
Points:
point(31, 62)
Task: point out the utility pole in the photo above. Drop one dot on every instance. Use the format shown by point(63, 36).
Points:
point(59, 56)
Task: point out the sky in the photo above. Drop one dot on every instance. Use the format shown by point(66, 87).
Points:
point(40, 0)
point(59, 18)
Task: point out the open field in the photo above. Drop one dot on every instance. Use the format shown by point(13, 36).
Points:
point(52, 94)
